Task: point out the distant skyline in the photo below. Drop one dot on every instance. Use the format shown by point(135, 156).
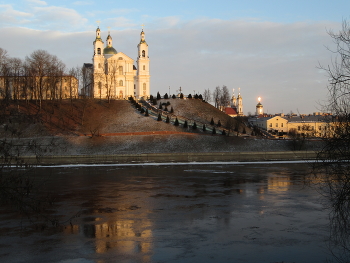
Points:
point(268, 49)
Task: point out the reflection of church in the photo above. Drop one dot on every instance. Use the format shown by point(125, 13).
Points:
point(114, 73)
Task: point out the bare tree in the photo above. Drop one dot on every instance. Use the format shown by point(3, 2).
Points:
point(225, 96)
point(46, 72)
point(216, 96)
point(207, 95)
point(230, 125)
point(87, 80)
point(16, 69)
point(333, 164)
point(5, 74)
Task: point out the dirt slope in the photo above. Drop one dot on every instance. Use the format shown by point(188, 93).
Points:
point(81, 117)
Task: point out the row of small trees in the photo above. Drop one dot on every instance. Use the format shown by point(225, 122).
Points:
point(181, 96)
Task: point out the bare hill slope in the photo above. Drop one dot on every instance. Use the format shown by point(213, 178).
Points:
point(59, 128)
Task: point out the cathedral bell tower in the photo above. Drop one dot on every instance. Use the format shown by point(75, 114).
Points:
point(143, 77)
point(239, 104)
point(98, 59)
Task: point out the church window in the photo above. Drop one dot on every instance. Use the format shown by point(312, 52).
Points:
point(120, 58)
point(120, 70)
point(144, 67)
point(144, 86)
point(120, 83)
point(282, 125)
point(143, 53)
point(99, 51)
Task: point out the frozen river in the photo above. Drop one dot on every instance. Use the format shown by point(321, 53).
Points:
point(175, 213)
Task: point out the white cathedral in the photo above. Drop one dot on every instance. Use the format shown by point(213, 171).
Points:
point(114, 74)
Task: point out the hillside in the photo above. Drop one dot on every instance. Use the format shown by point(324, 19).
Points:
point(66, 128)
point(97, 117)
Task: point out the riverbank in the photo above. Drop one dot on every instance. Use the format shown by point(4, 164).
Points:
point(171, 157)
point(158, 148)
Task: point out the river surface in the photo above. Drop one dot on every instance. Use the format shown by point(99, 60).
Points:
point(251, 212)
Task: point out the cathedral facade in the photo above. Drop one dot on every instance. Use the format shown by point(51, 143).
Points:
point(115, 75)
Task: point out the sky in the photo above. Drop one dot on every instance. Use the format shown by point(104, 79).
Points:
point(271, 49)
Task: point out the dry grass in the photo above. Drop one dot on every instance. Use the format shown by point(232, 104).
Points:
point(59, 126)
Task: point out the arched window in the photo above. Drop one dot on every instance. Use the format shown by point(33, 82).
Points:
point(99, 51)
point(144, 86)
point(144, 67)
point(120, 70)
point(120, 83)
point(143, 53)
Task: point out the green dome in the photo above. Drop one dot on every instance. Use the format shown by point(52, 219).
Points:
point(110, 50)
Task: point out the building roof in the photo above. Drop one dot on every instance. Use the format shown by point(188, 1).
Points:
point(88, 65)
point(230, 111)
point(311, 118)
point(110, 51)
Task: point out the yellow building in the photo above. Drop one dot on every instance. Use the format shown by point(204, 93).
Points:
point(303, 125)
point(33, 88)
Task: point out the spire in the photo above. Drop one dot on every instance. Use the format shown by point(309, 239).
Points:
point(239, 93)
point(109, 40)
point(142, 36)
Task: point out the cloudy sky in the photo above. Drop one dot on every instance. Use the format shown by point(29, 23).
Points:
point(269, 48)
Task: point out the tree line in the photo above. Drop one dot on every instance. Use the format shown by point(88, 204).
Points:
point(220, 96)
point(39, 76)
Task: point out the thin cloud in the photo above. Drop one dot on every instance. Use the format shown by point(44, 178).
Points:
point(123, 11)
point(37, 2)
point(82, 3)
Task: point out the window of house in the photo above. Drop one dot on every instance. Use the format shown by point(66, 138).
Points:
point(298, 128)
point(276, 125)
point(270, 125)
point(282, 125)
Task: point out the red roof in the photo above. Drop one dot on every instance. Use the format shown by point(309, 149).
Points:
point(230, 111)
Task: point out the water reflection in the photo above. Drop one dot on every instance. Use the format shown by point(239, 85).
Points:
point(186, 214)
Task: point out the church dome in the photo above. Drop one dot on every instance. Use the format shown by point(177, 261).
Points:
point(110, 51)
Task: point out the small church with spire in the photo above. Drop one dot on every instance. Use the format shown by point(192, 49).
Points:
point(236, 107)
point(114, 74)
